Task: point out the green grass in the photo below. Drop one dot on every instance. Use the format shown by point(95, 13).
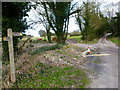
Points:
point(77, 38)
point(114, 40)
point(74, 37)
point(90, 42)
point(48, 76)
point(76, 56)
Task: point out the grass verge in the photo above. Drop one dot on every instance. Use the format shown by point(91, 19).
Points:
point(47, 76)
point(114, 40)
point(78, 39)
point(94, 41)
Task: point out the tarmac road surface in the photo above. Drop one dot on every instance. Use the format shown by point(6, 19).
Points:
point(109, 77)
point(109, 73)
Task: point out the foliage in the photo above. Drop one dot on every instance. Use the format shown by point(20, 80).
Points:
point(42, 33)
point(115, 25)
point(48, 76)
point(95, 25)
point(45, 48)
point(13, 19)
point(58, 18)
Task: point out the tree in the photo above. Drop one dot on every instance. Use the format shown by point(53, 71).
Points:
point(13, 19)
point(42, 33)
point(41, 19)
point(59, 17)
point(92, 20)
point(115, 25)
point(56, 17)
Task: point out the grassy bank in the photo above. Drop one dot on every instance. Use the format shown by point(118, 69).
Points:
point(114, 40)
point(52, 67)
point(47, 76)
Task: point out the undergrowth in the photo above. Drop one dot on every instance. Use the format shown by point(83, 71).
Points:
point(45, 48)
point(47, 76)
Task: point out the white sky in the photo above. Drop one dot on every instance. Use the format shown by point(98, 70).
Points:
point(72, 25)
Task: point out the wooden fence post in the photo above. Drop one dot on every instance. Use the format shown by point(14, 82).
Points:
point(11, 55)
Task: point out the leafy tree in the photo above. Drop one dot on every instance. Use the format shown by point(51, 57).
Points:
point(13, 19)
point(42, 33)
point(94, 24)
point(115, 25)
point(58, 18)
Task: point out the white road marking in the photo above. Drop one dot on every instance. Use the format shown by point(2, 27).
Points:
point(95, 55)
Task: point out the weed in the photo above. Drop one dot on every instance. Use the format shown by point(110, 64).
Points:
point(59, 51)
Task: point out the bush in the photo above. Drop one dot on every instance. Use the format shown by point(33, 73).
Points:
point(45, 48)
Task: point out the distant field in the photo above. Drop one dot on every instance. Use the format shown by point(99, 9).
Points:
point(35, 38)
point(90, 42)
point(77, 38)
point(114, 40)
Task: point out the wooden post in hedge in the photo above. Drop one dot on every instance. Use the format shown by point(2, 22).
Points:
point(10, 35)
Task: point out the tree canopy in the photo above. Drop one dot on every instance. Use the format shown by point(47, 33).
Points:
point(12, 17)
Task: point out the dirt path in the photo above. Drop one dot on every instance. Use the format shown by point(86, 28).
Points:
point(109, 75)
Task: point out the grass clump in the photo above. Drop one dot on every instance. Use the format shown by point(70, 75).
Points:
point(48, 76)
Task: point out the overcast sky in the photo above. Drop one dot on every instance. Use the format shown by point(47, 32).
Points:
point(72, 25)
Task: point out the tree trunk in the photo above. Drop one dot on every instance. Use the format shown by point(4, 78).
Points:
point(60, 38)
point(49, 36)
